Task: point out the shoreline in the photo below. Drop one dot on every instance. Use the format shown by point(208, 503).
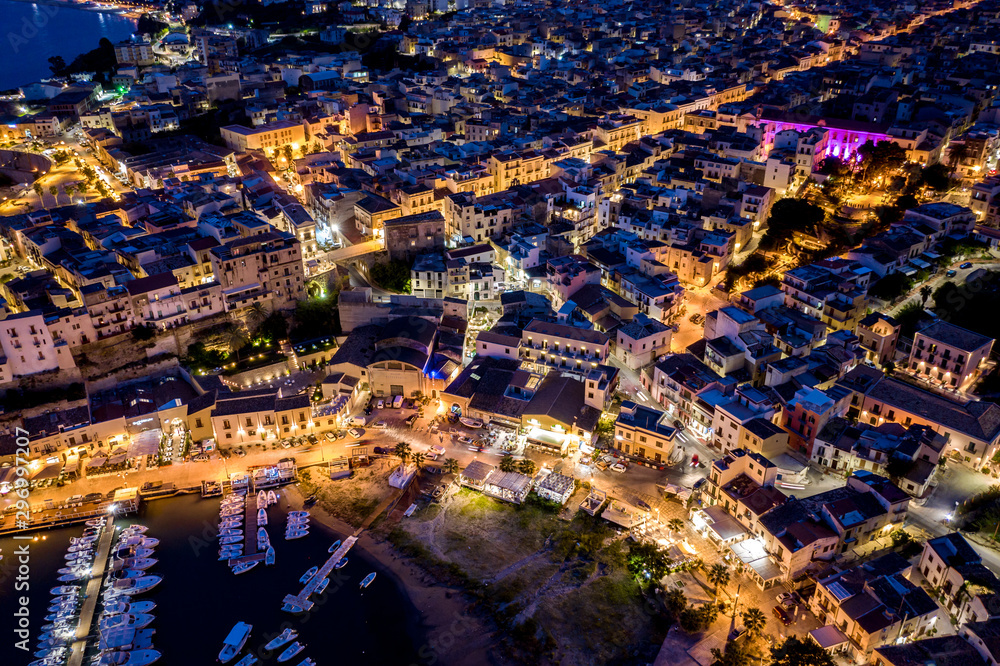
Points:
point(453, 634)
point(118, 11)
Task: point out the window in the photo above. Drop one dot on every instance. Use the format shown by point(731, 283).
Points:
point(226, 426)
point(197, 423)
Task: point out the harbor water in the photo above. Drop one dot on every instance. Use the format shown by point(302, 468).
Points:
point(200, 599)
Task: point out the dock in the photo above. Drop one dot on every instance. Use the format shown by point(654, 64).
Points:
point(302, 598)
point(250, 526)
point(93, 593)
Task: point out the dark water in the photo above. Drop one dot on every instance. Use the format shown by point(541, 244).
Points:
point(200, 600)
point(30, 34)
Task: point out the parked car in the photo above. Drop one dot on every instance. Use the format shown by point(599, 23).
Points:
point(967, 264)
point(331, 436)
point(699, 483)
point(75, 499)
point(240, 452)
point(694, 460)
point(380, 404)
point(381, 450)
point(93, 497)
point(411, 419)
point(397, 402)
point(286, 444)
point(950, 273)
point(618, 467)
point(785, 599)
point(379, 424)
point(782, 616)
point(313, 439)
point(355, 433)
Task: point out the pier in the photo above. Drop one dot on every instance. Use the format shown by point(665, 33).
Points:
point(302, 598)
point(92, 593)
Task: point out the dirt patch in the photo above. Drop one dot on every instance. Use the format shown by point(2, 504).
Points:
point(351, 500)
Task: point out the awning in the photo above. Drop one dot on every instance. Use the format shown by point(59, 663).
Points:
point(96, 461)
point(145, 443)
point(50, 471)
point(828, 637)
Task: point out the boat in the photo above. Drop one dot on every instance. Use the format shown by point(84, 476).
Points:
point(128, 658)
point(231, 532)
point(261, 533)
point(295, 534)
point(261, 517)
point(292, 608)
point(135, 529)
point(308, 662)
point(69, 578)
point(64, 590)
point(334, 546)
point(285, 636)
point(95, 522)
point(307, 575)
point(291, 651)
point(368, 580)
point(261, 497)
point(229, 540)
point(248, 660)
point(244, 567)
point(235, 641)
point(298, 514)
point(141, 563)
point(322, 586)
point(135, 621)
point(341, 563)
point(470, 422)
point(272, 498)
point(269, 556)
point(230, 556)
point(137, 585)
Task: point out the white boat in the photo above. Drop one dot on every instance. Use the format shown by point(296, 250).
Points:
point(244, 567)
point(135, 529)
point(341, 563)
point(229, 540)
point(128, 658)
point(235, 641)
point(69, 578)
point(470, 422)
point(261, 533)
point(298, 514)
point(309, 574)
point(141, 563)
point(231, 532)
point(307, 662)
point(230, 556)
point(248, 660)
point(322, 585)
point(64, 590)
point(295, 534)
point(269, 556)
point(136, 621)
point(272, 498)
point(261, 497)
point(368, 580)
point(137, 585)
point(333, 547)
point(261, 517)
point(291, 651)
point(95, 522)
point(285, 636)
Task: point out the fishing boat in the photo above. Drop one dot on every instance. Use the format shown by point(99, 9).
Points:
point(229, 540)
point(261, 517)
point(470, 422)
point(334, 546)
point(307, 575)
point(291, 651)
point(128, 658)
point(248, 660)
point(244, 567)
point(235, 641)
point(322, 585)
point(269, 556)
point(341, 563)
point(368, 580)
point(272, 498)
point(285, 636)
point(262, 497)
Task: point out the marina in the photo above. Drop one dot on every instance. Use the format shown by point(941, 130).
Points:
point(92, 594)
point(301, 600)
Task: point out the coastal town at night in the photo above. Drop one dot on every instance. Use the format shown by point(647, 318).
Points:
point(489, 332)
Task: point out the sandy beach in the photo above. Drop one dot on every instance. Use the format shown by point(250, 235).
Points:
point(455, 636)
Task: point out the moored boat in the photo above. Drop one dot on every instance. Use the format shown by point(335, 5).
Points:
point(334, 546)
point(368, 580)
point(261, 517)
point(272, 498)
point(244, 567)
point(309, 574)
point(269, 556)
point(235, 641)
point(285, 636)
point(341, 563)
point(470, 422)
point(248, 660)
point(291, 651)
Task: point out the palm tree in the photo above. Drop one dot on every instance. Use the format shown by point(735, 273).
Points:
point(925, 293)
point(236, 338)
point(37, 187)
point(526, 467)
point(450, 466)
point(957, 152)
point(402, 450)
point(508, 464)
point(54, 191)
point(418, 459)
point(675, 525)
point(256, 314)
point(718, 576)
point(754, 621)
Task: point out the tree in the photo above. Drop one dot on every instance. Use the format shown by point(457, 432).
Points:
point(57, 64)
point(54, 191)
point(508, 464)
point(647, 561)
point(754, 621)
point(957, 152)
point(37, 187)
point(288, 153)
point(450, 466)
point(674, 602)
point(797, 652)
point(925, 293)
point(418, 459)
point(937, 177)
point(274, 328)
point(526, 467)
point(880, 159)
point(889, 367)
point(718, 576)
point(675, 525)
point(236, 338)
point(256, 313)
point(402, 452)
point(698, 619)
point(392, 275)
point(735, 654)
point(787, 216)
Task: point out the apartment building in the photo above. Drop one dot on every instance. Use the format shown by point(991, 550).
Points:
point(480, 218)
point(28, 346)
point(947, 355)
point(269, 136)
point(833, 291)
point(135, 53)
point(372, 213)
point(681, 382)
point(471, 273)
point(956, 571)
point(878, 334)
point(517, 168)
point(410, 235)
point(549, 346)
point(642, 341)
point(742, 483)
point(644, 433)
point(267, 265)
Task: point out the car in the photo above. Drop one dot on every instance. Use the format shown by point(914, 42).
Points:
point(313, 439)
point(75, 499)
point(463, 439)
point(381, 450)
point(679, 425)
point(379, 424)
point(785, 599)
point(380, 404)
point(331, 436)
point(93, 497)
point(286, 444)
point(782, 616)
point(355, 433)
point(699, 483)
point(411, 419)
point(618, 467)
point(967, 264)
point(951, 273)
point(694, 460)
